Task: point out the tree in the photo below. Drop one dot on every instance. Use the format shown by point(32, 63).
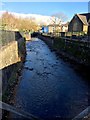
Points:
point(27, 24)
point(10, 22)
point(57, 18)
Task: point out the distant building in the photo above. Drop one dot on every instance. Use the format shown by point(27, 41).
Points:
point(44, 29)
point(64, 27)
point(58, 28)
point(79, 23)
point(54, 28)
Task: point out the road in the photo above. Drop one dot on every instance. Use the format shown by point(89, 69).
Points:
point(49, 88)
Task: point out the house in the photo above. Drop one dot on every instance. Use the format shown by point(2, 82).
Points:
point(52, 28)
point(79, 23)
point(58, 28)
point(64, 27)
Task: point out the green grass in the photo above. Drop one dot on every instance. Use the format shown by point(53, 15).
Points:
point(74, 48)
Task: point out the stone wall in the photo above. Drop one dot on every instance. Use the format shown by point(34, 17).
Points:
point(9, 54)
point(76, 51)
point(12, 53)
point(12, 57)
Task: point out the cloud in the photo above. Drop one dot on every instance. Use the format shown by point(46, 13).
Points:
point(38, 18)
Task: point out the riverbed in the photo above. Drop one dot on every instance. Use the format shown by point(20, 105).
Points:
point(49, 88)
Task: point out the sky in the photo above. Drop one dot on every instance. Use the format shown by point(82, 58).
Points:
point(46, 8)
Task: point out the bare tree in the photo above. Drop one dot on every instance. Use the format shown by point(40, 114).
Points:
point(57, 18)
point(10, 22)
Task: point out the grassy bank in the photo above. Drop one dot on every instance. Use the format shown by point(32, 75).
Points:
point(75, 50)
point(78, 50)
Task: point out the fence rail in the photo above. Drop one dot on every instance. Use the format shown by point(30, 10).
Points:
point(70, 35)
point(81, 43)
point(20, 113)
point(81, 40)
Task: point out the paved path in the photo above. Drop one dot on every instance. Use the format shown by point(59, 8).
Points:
point(49, 88)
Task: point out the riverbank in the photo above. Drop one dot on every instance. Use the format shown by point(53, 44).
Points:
point(79, 65)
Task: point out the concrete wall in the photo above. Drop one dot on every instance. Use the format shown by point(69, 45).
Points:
point(12, 53)
point(9, 54)
point(12, 57)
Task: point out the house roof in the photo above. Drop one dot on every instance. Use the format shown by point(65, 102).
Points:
point(51, 25)
point(57, 25)
point(84, 18)
point(66, 24)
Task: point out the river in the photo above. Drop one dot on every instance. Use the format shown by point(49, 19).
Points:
point(49, 88)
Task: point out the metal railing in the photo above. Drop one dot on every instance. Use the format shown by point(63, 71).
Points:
point(23, 114)
point(81, 116)
point(84, 115)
